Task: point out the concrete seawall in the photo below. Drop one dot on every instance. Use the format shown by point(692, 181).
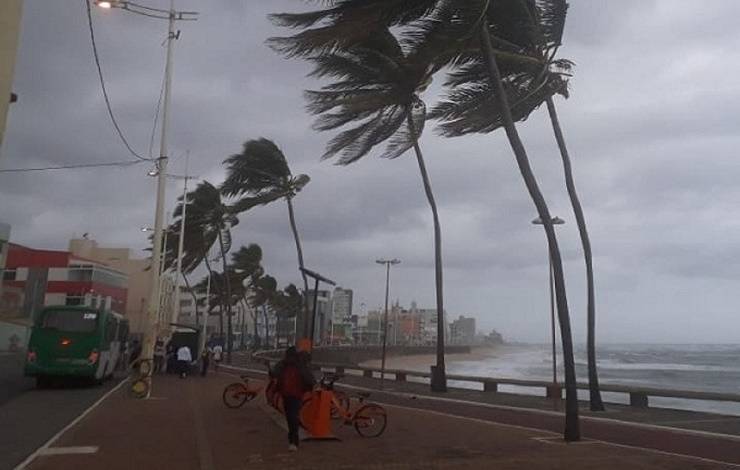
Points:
point(356, 355)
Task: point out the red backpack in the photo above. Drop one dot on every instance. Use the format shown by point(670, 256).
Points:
point(290, 382)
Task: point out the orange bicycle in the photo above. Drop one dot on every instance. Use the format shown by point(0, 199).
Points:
point(238, 393)
point(368, 419)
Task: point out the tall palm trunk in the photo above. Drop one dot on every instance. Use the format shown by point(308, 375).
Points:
point(216, 287)
point(227, 303)
point(439, 377)
point(572, 425)
point(593, 380)
point(299, 249)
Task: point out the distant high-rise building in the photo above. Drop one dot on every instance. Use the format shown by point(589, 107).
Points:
point(462, 331)
point(341, 314)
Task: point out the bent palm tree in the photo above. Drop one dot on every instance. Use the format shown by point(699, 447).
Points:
point(469, 29)
point(263, 293)
point(471, 107)
point(246, 260)
point(209, 221)
point(259, 175)
point(378, 84)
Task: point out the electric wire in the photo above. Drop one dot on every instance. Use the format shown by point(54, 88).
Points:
point(102, 84)
point(72, 167)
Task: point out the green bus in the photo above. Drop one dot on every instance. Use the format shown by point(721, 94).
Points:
point(75, 341)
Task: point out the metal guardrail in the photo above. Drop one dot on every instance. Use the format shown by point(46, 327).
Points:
point(638, 396)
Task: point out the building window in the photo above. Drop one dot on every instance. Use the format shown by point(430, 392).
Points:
point(75, 300)
point(9, 275)
point(80, 273)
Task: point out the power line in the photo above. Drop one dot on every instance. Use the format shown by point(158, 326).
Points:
point(72, 167)
point(102, 83)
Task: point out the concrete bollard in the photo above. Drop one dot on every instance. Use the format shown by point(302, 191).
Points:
point(554, 391)
point(489, 386)
point(638, 400)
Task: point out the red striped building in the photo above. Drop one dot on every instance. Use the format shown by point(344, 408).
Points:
point(35, 278)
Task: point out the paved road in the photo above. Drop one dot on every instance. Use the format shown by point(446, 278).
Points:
point(30, 417)
point(12, 381)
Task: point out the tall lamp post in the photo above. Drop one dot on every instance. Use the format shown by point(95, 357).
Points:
point(387, 263)
point(555, 221)
point(171, 16)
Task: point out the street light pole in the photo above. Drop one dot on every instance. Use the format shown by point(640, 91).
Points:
point(555, 221)
point(181, 241)
point(171, 16)
point(387, 263)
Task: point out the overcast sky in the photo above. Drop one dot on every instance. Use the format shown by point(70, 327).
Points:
point(651, 124)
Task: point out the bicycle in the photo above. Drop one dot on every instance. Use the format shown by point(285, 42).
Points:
point(140, 371)
point(238, 393)
point(368, 419)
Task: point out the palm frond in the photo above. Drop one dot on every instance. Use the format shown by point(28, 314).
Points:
point(260, 167)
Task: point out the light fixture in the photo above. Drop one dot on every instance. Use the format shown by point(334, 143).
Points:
point(104, 4)
point(153, 172)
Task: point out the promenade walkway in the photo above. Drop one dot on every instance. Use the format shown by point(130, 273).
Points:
point(185, 426)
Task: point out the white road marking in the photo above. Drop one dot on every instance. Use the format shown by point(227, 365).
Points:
point(69, 450)
point(37, 452)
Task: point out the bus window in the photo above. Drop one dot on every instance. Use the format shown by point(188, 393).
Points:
point(73, 321)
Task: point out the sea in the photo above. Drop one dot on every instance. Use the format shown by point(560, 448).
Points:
point(696, 367)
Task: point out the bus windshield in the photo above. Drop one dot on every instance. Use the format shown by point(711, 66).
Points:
point(73, 321)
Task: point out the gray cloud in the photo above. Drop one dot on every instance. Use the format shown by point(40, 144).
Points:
point(650, 125)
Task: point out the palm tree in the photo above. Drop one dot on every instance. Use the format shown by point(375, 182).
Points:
point(472, 107)
point(467, 29)
point(287, 304)
point(377, 88)
point(263, 294)
point(246, 260)
point(209, 221)
point(259, 175)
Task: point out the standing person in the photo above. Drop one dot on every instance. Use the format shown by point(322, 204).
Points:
point(218, 354)
point(294, 379)
point(205, 359)
point(184, 358)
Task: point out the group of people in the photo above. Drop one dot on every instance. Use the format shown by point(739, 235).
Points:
point(168, 357)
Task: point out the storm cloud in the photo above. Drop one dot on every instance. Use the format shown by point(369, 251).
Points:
point(651, 124)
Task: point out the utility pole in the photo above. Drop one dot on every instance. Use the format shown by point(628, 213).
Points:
point(176, 309)
point(387, 264)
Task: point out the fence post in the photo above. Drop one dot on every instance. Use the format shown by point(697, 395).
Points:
point(490, 386)
point(638, 399)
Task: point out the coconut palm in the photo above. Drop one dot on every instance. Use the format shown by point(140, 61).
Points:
point(262, 295)
point(209, 221)
point(471, 107)
point(259, 175)
point(246, 260)
point(475, 28)
point(376, 92)
point(287, 304)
